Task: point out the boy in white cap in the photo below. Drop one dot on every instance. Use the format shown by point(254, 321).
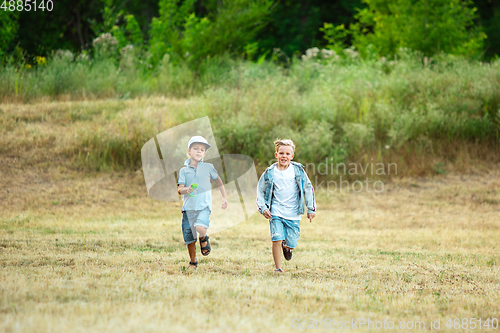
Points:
point(194, 184)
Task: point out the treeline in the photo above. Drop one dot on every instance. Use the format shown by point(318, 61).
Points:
point(191, 31)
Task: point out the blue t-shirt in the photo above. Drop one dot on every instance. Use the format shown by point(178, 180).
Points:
point(201, 175)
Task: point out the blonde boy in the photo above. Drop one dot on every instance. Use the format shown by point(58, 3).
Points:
point(282, 191)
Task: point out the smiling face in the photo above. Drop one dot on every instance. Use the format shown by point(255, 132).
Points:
point(197, 152)
point(284, 155)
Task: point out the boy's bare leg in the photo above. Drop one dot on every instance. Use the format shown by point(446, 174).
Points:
point(277, 253)
point(202, 232)
point(192, 251)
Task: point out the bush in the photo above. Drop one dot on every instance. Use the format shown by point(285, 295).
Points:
point(227, 28)
point(430, 26)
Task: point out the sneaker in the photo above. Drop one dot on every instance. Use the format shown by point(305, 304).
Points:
point(286, 252)
point(278, 271)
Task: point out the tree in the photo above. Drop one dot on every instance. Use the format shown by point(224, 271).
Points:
point(430, 26)
point(228, 26)
point(294, 24)
point(8, 29)
point(489, 18)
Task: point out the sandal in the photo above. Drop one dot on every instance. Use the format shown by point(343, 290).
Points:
point(193, 265)
point(206, 247)
point(286, 252)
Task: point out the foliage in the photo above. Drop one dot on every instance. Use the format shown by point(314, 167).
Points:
point(67, 26)
point(336, 36)
point(165, 30)
point(333, 107)
point(430, 26)
point(8, 29)
point(189, 38)
point(293, 25)
point(124, 27)
point(352, 102)
point(489, 20)
point(129, 33)
point(105, 46)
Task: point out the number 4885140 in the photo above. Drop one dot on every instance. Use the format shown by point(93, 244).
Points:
point(27, 5)
point(472, 323)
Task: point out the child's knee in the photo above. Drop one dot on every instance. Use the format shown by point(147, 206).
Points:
point(201, 229)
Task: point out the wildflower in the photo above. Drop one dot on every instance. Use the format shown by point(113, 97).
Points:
point(312, 53)
point(127, 49)
point(64, 55)
point(327, 54)
point(105, 39)
point(83, 57)
point(351, 53)
point(105, 44)
point(40, 60)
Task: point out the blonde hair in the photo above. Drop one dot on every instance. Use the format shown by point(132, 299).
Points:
point(283, 142)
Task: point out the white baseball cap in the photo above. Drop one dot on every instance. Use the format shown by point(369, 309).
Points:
point(198, 139)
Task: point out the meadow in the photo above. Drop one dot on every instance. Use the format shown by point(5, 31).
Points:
point(84, 248)
point(428, 115)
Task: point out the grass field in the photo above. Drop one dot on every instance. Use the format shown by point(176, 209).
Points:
point(86, 251)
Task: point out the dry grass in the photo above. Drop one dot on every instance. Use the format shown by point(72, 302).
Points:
point(82, 252)
point(108, 134)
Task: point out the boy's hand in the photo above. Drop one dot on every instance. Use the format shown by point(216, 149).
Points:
point(310, 216)
point(224, 203)
point(267, 214)
point(182, 189)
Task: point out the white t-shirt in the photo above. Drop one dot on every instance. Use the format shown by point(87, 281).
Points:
point(285, 202)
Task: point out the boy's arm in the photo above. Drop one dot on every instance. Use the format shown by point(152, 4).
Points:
point(181, 183)
point(309, 197)
point(222, 190)
point(182, 189)
point(261, 192)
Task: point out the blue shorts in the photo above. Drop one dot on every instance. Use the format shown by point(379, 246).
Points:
point(190, 220)
point(283, 229)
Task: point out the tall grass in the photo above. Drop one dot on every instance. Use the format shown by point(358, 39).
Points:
point(342, 108)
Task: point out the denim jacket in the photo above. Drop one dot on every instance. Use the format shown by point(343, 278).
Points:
point(306, 190)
